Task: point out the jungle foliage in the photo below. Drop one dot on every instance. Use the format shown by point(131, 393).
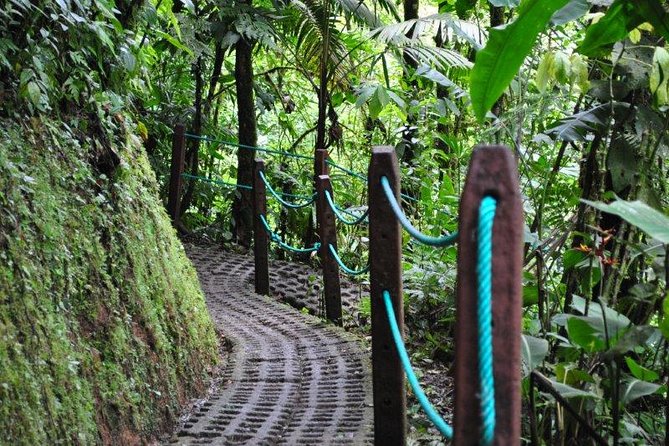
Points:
point(578, 89)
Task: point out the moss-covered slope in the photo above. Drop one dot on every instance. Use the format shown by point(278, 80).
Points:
point(103, 327)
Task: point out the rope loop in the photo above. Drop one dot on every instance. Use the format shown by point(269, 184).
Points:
point(218, 182)
point(281, 200)
point(244, 146)
point(329, 162)
point(432, 415)
point(346, 269)
point(446, 240)
point(276, 239)
point(340, 216)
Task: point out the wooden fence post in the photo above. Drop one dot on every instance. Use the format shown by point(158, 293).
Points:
point(177, 168)
point(320, 163)
point(385, 253)
point(492, 172)
point(327, 232)
point(260, 236)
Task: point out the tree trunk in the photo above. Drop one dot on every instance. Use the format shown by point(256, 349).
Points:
point(192, 156)
point(497, 19)
point(410, 65)
point(242, 216)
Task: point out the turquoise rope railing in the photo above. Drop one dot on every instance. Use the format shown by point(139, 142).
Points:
point(244, 146)
point(446, 240)
point(281, 200)
point(432, 415)
point(276, 239)
point(346, 269)
point(340, 216)
point(484, 316)
point(275, 152)
point(329, 162)
point(218, 182)
point(485, 343)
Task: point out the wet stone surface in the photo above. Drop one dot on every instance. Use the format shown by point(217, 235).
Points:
point(290, 378)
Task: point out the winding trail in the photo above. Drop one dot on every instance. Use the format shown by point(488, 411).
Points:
point(290, 378)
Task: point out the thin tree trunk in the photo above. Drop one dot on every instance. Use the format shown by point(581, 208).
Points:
point(242, 216)
point(192, 156)
point(219, 56)
point(497, 19)
point(410, 132)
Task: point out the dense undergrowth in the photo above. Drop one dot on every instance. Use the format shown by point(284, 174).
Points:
point(103, 329)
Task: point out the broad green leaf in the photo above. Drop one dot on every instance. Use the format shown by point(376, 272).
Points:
point(571, 392)
point(530, 295)
point(364, 94)
point(575, 9)
point(580, 72)
point(621, 18)
point(636, 389)
point(639, 371)
point(378, 101)
point(562, 67)
point(569, 373)
point(462, 7)
point(582, 333)
point(497, 63)
point(632, 338)
point(655, 13)
point(34, 93)
point(571, 258)
point(622, 162)
point(545, 71)
point(595, 310)
point(652, 222)
point(659, 76)
point(534, 351)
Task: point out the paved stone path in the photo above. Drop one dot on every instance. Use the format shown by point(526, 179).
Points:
point(290, 378)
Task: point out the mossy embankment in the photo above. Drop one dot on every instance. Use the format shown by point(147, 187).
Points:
point(103, 329)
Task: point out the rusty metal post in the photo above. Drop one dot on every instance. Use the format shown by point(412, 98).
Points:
point(260, 236)
point(492, 171)
point(327, 232)
point(385, 253)
point(178, 157)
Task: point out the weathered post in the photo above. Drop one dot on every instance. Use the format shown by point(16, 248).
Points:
point(178, 157)
point(385, 253)
point(260, 236)
point(492, 172)
point(320, 163)
point(327, 232)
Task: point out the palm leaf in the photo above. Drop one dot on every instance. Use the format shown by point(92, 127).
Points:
point(398, 33)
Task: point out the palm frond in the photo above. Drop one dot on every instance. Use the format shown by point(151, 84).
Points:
point(441, 58)
point(410, 31)
point(359, 12)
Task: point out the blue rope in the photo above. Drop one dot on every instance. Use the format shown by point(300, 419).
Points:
point(346, 269)
point(244, 146)
point(484, 315)
point(446, 240)
point(340, 216)
point(329, 162)
point(276, 239)
point(281, 200)
point(432, 415)
point(219, 182)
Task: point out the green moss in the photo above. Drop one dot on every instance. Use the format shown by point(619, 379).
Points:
point(103, 328)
